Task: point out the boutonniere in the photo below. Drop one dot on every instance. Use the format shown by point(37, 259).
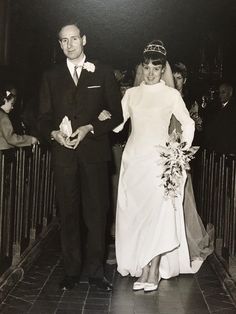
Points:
point(89, 66)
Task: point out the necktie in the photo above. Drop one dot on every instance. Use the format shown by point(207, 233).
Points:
point(75, 75)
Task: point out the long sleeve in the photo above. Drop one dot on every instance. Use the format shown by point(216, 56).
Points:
point(59, 97)
point(11, 138)
point(125, 111)
point(112, 103)
point(187, 124)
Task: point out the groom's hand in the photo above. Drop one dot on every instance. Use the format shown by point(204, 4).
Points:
point(104, 115)
point(61, 138)
point(80, 134)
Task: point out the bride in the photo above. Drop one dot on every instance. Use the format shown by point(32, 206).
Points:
point(200, 241)
point(151, 240)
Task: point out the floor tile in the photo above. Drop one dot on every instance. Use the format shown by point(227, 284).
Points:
point(39, 292)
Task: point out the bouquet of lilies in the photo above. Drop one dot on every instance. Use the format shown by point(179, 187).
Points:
point(175, 159)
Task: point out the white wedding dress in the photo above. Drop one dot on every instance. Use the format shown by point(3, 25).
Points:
point(147, 224)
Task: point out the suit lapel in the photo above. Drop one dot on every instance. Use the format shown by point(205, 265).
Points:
point(83, 79)
point(65, 77)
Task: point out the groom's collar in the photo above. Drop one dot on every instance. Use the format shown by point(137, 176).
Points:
point(72, 65)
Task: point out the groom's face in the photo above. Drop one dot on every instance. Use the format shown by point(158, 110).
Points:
point(71, 42)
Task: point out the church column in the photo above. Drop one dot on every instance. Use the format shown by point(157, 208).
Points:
point(4, 31)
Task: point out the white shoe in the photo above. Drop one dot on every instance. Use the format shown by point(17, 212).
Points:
point(138, 285)
point(148, 287)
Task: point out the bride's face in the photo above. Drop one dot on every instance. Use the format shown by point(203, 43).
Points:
point(152, 73)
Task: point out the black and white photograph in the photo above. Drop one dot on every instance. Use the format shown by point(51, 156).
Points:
point(117, 156)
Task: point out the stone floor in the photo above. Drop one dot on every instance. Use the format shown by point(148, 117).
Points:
point(187, 294)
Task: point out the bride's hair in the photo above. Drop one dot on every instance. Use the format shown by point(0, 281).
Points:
point(155, 52)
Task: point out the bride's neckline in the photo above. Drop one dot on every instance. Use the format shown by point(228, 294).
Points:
point(153, 86)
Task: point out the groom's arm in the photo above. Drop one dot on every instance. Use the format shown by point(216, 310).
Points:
point(112, 103)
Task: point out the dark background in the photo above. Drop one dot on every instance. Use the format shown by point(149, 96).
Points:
point(117, 31)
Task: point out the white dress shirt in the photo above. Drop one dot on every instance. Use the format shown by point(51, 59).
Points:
point(71, 66)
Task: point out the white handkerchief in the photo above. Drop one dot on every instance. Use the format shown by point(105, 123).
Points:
point(94, 86)
point(65, 126)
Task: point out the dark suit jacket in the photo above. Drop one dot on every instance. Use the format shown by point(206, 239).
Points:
point(220, 129)
point(59, 97)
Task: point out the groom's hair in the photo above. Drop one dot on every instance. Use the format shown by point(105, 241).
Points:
point(67, 23)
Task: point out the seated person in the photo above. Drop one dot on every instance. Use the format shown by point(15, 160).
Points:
point(8, 137)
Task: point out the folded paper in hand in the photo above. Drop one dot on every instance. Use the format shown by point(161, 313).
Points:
point(65, 126)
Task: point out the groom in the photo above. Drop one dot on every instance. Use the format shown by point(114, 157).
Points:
point(80, 90)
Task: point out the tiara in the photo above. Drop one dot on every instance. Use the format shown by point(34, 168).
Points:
point(155, 48)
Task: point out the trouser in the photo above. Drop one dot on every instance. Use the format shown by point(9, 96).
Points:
point(82, 191)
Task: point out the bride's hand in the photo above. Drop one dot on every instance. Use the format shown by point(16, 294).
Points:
point(104, 115)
